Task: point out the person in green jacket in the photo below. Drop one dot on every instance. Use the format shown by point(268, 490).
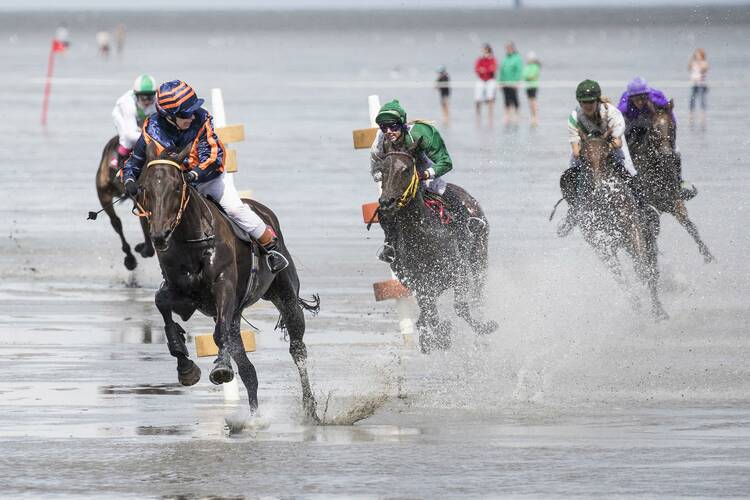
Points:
point(432, 158)
point(531, 77)
point(510, 76)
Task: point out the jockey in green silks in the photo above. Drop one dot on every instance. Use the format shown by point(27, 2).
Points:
point(431, 158)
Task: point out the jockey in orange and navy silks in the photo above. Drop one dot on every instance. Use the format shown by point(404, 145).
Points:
point(176, 100)
point(180, 121)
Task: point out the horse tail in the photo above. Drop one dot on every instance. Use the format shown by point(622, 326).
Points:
point(312, 305)
point(554, 209)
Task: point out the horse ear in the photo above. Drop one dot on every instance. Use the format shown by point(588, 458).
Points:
point(184, 153)
point(651, 106)
point(670, 106)
point(151, 151)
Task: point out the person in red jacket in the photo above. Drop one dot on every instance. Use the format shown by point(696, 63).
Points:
point(486, 87)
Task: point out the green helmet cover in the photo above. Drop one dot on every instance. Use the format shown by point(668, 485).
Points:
point(391, 112)
point(588, 90)
point(144, 84)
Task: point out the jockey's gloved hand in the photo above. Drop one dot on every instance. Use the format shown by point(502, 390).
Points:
point(192, 177)
point(131, 187)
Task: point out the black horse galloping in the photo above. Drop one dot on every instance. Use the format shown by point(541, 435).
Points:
point(610, 219)
point(206, 267)
point(431, 256)
point(659, 171)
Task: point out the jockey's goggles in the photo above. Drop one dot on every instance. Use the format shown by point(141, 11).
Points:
point(145, 97)
point(391, 127)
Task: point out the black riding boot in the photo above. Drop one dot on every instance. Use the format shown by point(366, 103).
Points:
point(387, 253)
point(569, 189)
point(275, 259)
point(687, 191)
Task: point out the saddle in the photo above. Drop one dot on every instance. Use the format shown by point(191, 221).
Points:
point(236, 228)
point(436, 203)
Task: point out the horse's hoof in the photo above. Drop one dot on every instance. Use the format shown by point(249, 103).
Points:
point(145, 251)
point(487, 327)
point(130, 262)
point(190, 375)
point(221, 374)
point(708, 258)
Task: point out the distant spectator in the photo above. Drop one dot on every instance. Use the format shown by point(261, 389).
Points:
point(531, 77)
point(443, 84)
point(120, 39)
point(698, 67)
point(510, 76)
point(62, 35)
point(486, 87)
point(102, 42)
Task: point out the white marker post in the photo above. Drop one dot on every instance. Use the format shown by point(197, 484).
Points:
point(392, 289)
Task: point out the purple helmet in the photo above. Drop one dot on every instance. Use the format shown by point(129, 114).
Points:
point(638, 86)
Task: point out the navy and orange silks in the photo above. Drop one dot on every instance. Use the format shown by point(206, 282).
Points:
point(207, 152)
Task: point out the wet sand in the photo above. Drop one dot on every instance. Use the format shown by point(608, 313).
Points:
point(575, 395)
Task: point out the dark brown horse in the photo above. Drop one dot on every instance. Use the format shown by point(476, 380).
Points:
point(611, 219)
point(207, 268)
point(431, 256)
point(108, 186)
point(659, 171)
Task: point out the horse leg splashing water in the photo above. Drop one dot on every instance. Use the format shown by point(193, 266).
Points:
point(209, 269)
point(108, 186)
point(611, 219)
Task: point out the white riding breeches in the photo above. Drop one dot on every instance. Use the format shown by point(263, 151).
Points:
point(222, 190)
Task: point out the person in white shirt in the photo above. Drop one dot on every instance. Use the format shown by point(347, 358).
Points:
point(594, 116)
point(130, 111)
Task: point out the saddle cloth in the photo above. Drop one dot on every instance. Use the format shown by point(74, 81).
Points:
point(437, 205)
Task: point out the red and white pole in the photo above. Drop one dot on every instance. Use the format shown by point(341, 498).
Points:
point(57, 46)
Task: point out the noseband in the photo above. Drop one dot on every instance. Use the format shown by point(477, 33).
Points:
point(411, 190)
point(184, 196)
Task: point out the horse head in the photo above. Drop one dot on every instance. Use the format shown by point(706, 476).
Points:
point(595, 150)
point(400, 181)
point(164, 192)
point(662, 132)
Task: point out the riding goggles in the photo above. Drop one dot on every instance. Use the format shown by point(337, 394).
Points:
point(391, 127)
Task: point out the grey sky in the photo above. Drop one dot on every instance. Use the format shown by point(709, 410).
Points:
point(13, 5)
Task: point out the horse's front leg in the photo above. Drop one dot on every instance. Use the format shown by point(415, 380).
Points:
point(613, 265)
point(222, 371)
point(433, 333)
point(682, 217)
point(188, 372)
point(146, 249)
point(245, 368)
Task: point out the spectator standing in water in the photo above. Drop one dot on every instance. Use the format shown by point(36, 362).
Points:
point(102, 42)
point(531, 78)
point(698, 67)
point(120, 39)
point(443, 85)
point(486, 87)
point(510, 76)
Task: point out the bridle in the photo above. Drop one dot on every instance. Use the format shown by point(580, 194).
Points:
point(184, 196)
point(411, 190)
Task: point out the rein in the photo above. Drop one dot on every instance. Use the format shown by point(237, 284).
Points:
point(411, 190)
point(184, 195)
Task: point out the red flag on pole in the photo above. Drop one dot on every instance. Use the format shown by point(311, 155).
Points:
point(57, 46)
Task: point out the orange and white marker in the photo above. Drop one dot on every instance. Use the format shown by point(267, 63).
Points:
point(393, 288)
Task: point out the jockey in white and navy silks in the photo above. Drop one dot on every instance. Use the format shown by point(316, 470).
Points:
point(129, 113)
point(181, 121)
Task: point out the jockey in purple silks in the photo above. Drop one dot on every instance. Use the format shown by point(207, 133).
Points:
point(635, 109)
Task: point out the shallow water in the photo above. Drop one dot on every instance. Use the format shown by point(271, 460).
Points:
point(575, 395)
